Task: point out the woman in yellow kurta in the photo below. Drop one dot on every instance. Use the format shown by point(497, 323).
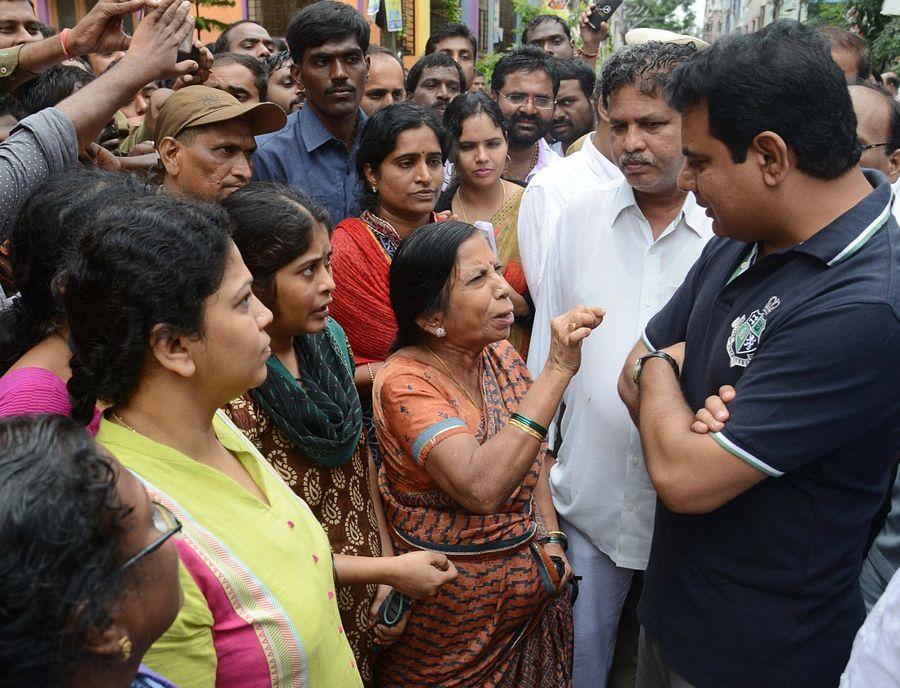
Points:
point(167, 331)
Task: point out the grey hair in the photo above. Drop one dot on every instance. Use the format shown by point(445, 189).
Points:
point(646, 66)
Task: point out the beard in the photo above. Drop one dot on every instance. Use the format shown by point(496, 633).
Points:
point(523, 139)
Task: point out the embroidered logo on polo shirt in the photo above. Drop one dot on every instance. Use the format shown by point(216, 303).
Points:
point(745, 333)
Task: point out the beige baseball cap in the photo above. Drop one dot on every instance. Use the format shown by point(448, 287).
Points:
point(196, 106)
point(639, 36)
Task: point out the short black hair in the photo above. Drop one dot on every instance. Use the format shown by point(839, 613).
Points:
point(10, 105)
point(646, 66)
point(221, 44)
point(433, 60)
point(420, 275)
point(466, 105)
point(276, 61)
point(379, 50)
point(257, 68)
point(780, 79)
point(526, 58)
point(61, 525)
point(52, 86)
point(324, 21)
point(852, 42)
point(543, 19)
point(452, 30)
point(575, 68)
point(379, 138)
point(273, 224)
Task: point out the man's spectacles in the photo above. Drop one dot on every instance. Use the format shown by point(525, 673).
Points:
point(871, 146)
point(519, 99)
point(166, 523)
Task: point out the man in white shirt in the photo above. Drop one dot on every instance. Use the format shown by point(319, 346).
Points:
point(626, 245)
point(549, 191)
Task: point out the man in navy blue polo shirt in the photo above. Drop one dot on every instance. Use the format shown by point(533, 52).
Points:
point(316, 151)
point(762, 525)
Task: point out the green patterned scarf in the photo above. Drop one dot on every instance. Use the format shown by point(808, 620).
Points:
point(321, 414)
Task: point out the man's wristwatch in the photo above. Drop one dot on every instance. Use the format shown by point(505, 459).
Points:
point(639, 364)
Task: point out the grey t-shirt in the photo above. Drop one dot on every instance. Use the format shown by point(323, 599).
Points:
point(40, 146)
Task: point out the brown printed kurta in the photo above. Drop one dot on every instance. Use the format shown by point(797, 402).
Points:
point(341, 501)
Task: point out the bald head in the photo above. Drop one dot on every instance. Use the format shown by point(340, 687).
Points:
point(877, 122)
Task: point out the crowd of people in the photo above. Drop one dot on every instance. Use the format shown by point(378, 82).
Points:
point(319, 371)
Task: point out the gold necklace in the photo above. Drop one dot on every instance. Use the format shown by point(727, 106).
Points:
point(462, 208)
point(534, 158)
point(453, 377)
point(121, 421)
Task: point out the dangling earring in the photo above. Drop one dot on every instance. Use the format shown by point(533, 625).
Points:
point(125, 648)
point(440, 332)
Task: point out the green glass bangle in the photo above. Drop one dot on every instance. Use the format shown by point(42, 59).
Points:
point(552, 540)
point(530, 423)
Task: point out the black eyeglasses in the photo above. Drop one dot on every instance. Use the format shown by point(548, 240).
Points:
point(166, 523)
point(870, 146)
point(519, 100)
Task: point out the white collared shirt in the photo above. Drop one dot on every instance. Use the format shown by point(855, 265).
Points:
point(544, 199)
point(895, 209)
point(875, 657)
point(604, 255)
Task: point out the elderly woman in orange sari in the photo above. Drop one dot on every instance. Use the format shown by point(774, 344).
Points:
point(462, 429)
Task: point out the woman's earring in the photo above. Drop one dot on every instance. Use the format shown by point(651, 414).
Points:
point(125, 648)
point(440, 332)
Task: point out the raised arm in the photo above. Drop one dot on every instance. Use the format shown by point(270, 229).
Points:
point(481, 477)
point(99, 31)
point(151, 56)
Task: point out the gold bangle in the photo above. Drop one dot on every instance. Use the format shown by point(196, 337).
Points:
point(371, 374)
point(524, 428)
point(557, 532)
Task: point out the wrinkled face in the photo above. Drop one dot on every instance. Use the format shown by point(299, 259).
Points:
point(18, 24)
point(479, 310)
point(234, 79)
point(231, 356)
point(525, 122)
point(410, 177)
point(436, 88)
point(251, 39)
point(460, 49)
point(481, 152)
point(303, 289)
point(149, 612)
point(213, 163)
point(384, 85)
point(334, 76)
point(574, 113)
point(100, 62)
point(730, 192)
point(283, 90)
point(646, 139)
point(137, 108)
point(550, 37)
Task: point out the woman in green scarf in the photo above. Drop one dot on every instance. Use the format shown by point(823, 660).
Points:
point(306, 417)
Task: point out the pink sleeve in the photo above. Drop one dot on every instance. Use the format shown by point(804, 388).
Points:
point(29, 391)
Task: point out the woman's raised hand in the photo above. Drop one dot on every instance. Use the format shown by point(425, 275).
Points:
point(567, 332)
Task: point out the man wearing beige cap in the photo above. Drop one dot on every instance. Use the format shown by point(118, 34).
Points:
point(205, 139)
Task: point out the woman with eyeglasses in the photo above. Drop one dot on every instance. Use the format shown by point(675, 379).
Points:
point(165, 330)
point(88, 570)
point(480, 194)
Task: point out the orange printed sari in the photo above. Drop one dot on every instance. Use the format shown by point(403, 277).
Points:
point(501, 623)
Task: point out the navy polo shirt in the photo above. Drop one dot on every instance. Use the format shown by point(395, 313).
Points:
point(762, 592)
point(305, 155)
